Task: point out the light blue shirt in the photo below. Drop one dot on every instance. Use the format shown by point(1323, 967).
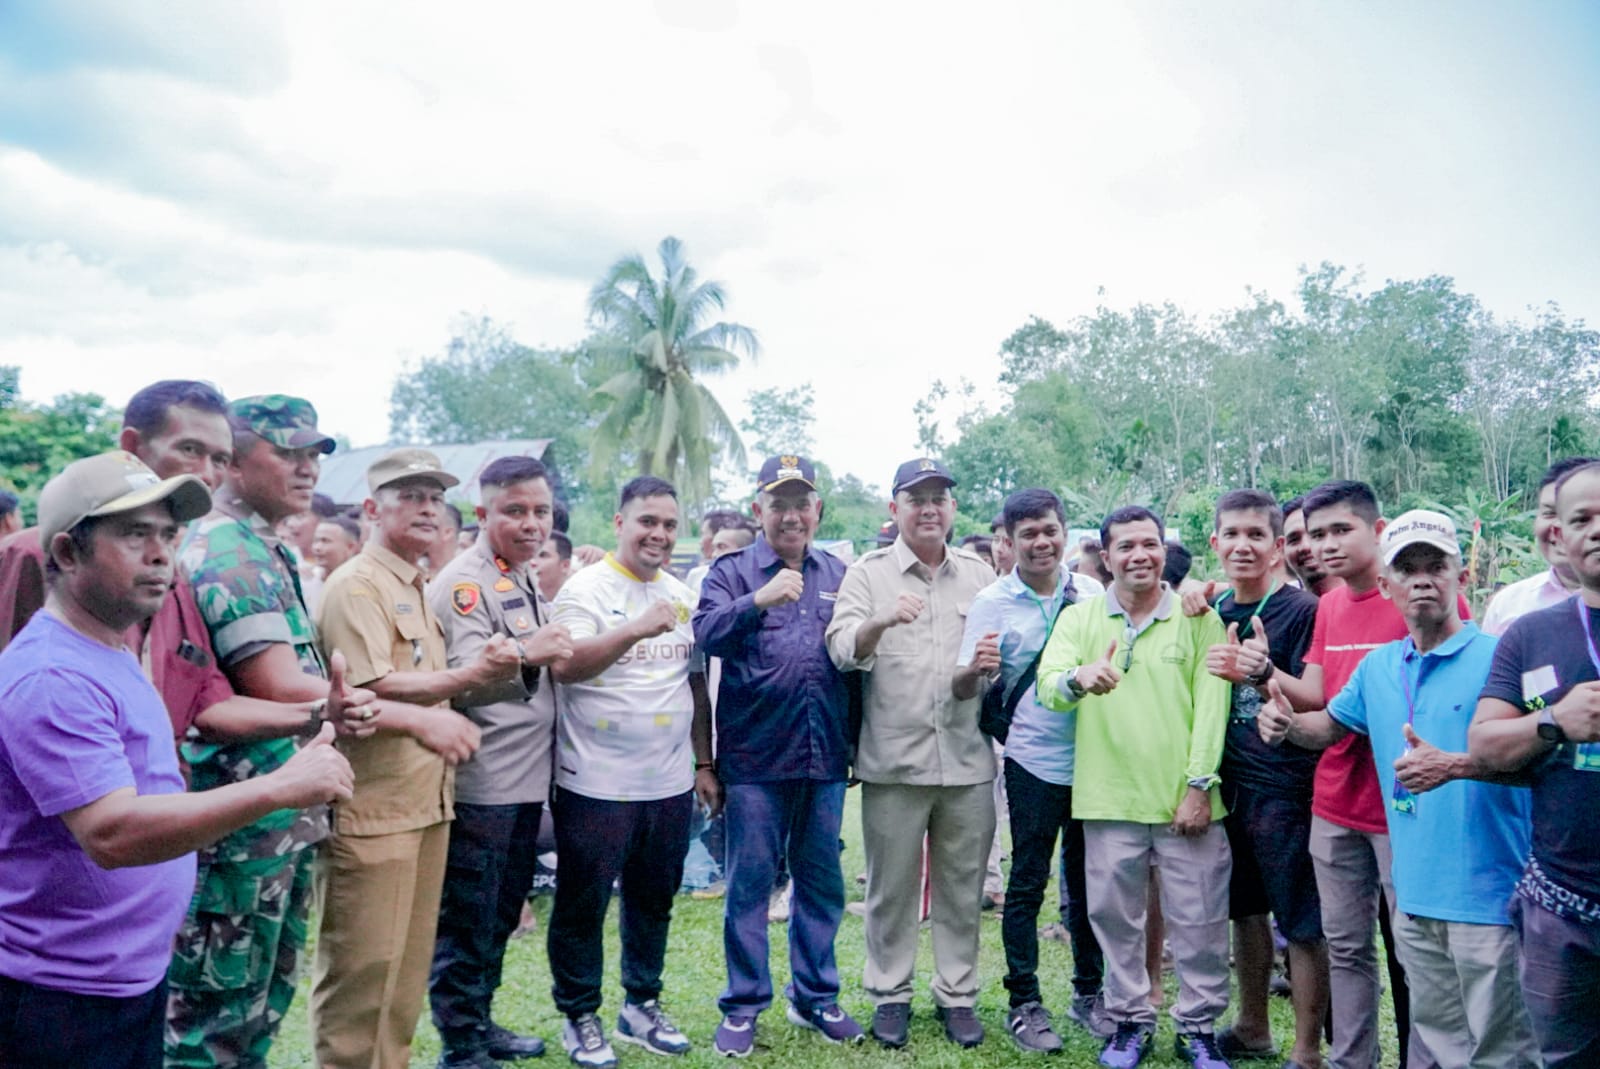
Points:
point(1041, 740)
point(1459, 856)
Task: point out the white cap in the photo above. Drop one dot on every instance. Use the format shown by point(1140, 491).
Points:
point(1419, 526)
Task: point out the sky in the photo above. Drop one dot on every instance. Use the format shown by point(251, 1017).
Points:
point(303, 197)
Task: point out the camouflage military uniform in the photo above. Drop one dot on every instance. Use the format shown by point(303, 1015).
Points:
point(237, 955)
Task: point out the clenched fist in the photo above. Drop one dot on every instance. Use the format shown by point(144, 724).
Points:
point(781, 589)
point(317, 773)
point(906, 608)
point(658, 619)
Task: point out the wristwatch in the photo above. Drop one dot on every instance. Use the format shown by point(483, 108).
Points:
point(1075, 690)
point(1549, 730)
point(313, 722)
point(1261, 677)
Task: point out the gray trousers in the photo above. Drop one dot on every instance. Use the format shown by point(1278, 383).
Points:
point(959, 825)
point(1352, 868)
point(1466, 1002)
point(1194, 901)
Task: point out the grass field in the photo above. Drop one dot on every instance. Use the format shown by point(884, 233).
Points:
point(695, 976)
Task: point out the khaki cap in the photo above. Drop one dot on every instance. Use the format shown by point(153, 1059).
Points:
point(408, 464)
point(110, 483)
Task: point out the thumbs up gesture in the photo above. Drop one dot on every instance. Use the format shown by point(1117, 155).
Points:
point(1197, 602)
point(1102, 676)
point(1274, 716)
point(316, 773)
point(351, 710)
point(1423, 766)
point(1253, 656)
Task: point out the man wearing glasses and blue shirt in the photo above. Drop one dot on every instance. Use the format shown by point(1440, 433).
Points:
point(1019, 611)
point(1151, 721)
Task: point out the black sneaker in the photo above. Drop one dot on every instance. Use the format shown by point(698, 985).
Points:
point(961, 1025)
point(891, 1024)
point(1030, 1029)
point(504, 1045)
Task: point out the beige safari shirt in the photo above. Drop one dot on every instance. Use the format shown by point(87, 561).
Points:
point(373, 611)
point(913, 730)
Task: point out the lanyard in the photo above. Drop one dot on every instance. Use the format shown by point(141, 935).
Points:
point(1038, 603)
point(1405, 680)
point(1261, 607)
point(1588, 635)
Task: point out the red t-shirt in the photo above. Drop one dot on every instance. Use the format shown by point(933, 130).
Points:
point(1349, 626)
point(177, 647)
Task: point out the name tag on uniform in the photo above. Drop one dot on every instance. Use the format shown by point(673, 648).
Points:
point(828, 595)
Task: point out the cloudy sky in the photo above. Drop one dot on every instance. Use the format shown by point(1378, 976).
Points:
point(302, 197)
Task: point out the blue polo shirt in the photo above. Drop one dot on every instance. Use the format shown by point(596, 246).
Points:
point(783, 709)
point(1458, 857)
point(1041, 741)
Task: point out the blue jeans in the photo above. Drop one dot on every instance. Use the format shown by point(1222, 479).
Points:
point(760, 817)
point(1560, 974)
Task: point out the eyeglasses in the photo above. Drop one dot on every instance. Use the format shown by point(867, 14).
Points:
point(1130, 636)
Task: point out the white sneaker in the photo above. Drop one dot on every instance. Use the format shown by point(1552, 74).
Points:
point(646, 1025)
point(585, 1040)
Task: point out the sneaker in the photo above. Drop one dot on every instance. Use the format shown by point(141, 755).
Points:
point(736, 1035)
point(710, 891)
point(465, 1058)
point(1030, 1028)
point(778, 905)
point(504, 1045)
point(835, 1025)
point(1089, 1013)
point(891, 1023)
point(585, 1040)
point(1127, 1046)
point(961, 1025)
point(646, 1024)
point(1230, 1046)
point(1200, 1050)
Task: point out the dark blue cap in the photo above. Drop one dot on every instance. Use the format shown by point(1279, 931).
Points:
point(913, 472)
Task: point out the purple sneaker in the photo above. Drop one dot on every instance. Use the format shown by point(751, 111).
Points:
point(1200, 1050)
point(736, 1035)
point(835, 1025)
point(1127, 1046)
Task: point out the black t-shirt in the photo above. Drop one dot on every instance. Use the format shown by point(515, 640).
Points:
point(1285, 771)
point(1541, 657)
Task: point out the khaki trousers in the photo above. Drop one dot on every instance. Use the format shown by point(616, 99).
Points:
point(1194, 901)
point(959, 825)
point(1466, 1002)
point(378, 898)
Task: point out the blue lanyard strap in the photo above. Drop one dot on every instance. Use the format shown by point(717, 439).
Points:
point(1405, 680)
point(1588, 634)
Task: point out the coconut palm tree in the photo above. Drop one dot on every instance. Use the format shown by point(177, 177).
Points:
point(653, 338)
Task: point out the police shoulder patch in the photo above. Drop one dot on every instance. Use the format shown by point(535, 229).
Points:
point(465, 597)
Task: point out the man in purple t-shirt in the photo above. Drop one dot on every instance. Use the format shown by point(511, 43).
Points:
point(96, 829)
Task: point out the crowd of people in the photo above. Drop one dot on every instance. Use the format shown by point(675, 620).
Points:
point(226, 715)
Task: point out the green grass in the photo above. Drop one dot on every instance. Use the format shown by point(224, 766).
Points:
point(695, 976)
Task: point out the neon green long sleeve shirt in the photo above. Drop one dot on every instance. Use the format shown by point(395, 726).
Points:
point(1140, 745)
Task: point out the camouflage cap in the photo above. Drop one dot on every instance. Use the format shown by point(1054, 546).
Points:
point(287, 422)
point(110, 483)
point(408, 464)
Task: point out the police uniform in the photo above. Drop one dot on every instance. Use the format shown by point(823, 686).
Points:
point(500, 793)
point(378, 887)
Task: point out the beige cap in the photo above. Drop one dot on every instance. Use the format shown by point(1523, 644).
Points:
point(408, 464)
point(1419, 526)
point(110, 483)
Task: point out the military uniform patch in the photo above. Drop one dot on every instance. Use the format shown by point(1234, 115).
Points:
point(502, 585)
point(465, 597)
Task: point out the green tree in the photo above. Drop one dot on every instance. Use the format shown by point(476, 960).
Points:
point(782, 420)
point(37, 441)
point(653, 337)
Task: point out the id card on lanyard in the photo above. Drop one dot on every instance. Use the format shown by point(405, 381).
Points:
point(1401, 800)
point(1586, 756)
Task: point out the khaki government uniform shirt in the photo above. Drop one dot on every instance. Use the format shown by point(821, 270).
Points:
point(913, 730)
point(373, 611)
point(475, 596)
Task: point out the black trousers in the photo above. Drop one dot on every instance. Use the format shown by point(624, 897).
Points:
point(598, 842)
point(41, 1028)
point(1041, 811)
point(488, 874)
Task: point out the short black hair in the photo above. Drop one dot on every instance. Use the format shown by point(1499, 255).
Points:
point(1249, 500)
point(1590, 468)
point(560, 518)
point(350, 527)
point(1293, 505)
point(1129, 514)
point(1179, 561)
point(8, 503)
point(82, 535)
point(507, 471)
point(645, 486)
point(454, 514)
point(147, 410)
point(1555, 472)
point(1030, 504)
point(323, 506)
point(562, 543)
point(721, 519)
point(999, 520)
point(978, 543)
point(1357, 496)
